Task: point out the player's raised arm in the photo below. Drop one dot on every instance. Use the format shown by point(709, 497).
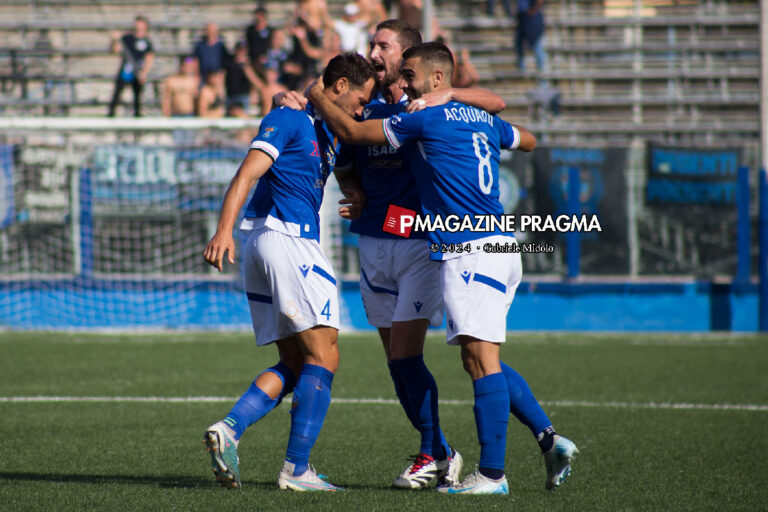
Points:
point(341, 123)
point(476, 97)
point(255, 164)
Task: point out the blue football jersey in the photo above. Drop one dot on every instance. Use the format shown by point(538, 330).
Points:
point(288, 196)
point(385, 175)
point(456, 162)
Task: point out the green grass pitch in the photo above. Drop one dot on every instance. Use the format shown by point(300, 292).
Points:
point(112, 455)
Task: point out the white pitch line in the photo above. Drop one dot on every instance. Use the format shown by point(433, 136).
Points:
point(385, 401)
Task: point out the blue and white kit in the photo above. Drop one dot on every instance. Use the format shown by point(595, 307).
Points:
point(397, 278)
point(456, 168)
point(288, 280)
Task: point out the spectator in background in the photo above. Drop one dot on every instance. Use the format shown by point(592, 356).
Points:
point(271, 88)
point(180, 90)
point(257, 37)
point(307, 51)
point(289, 72)
point(464, 73)
point(331, 46)
point(372, 12)
point(210, 103)
point(491, 4)
point(137, 58)
point(410, 12)
point(314, 13)
point(530, 31)
point(240, 78)
point(352, 30)
point(211, 52)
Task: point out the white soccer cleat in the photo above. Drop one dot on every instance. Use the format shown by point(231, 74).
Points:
point(558, 461)
point(220, 442)
point(450, 468)
point(419, 473)
point(477, 483)
point(308, 481)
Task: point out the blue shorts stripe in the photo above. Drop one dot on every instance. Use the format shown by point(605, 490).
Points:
point(498, 285)
point(377, 289)
point(256, 297)
point(321, 272)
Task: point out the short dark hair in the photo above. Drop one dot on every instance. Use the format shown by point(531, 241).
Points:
point(407, 34)
point(260, 10)
point(352, 66)
point(143, 18)
point(432, 53)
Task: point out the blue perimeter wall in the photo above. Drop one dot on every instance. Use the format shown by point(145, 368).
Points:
point(93, 304)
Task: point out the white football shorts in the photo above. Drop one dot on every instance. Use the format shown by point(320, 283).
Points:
point(398, 281)
point(290, 285)
point(478, 289)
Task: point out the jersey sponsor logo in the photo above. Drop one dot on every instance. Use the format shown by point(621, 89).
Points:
point(418, 304)
point(374, 151)
point(367, 113)
point(398, 221)
point(319, 183)
point(269, 131)
point(316, 149)
point(304, 270)
point(465, 276)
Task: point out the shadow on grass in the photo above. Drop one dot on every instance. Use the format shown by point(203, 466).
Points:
point(165, 481)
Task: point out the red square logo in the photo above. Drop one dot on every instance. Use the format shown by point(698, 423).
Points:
point(399, 221)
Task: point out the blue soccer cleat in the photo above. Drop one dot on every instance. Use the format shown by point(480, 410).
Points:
point(222, 446)
point(558, 461)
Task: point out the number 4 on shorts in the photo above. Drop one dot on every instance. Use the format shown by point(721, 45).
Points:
point(326, 312)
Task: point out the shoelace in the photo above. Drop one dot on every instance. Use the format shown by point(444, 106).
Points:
point(419, 461)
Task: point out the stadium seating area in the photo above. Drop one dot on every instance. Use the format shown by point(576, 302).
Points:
point(671, 68)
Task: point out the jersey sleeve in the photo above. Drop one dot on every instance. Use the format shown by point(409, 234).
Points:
point(403, 128)
point(275, 132)
point(509, 135)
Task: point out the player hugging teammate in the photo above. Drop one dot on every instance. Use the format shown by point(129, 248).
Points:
point(436, 164)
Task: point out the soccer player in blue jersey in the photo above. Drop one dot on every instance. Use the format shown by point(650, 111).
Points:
point(456, 157)
point(289, 283)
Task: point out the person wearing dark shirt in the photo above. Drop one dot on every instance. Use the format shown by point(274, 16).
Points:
point(257, 38)
point(210, 51)
point(240, 78)
point(138, 55)
point(530, 31)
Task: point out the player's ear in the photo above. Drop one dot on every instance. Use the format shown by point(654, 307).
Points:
point(341, 85)
point(437, 77)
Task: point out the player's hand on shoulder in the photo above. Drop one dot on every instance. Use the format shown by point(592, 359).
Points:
point(290, 99)
point(354, 201)
point(430, 99)
point(218, 245)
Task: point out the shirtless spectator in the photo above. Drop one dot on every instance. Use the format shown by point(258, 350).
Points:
point(180, 90)
point(210, 102)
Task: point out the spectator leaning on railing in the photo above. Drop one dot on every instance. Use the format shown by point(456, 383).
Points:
point(137, 57)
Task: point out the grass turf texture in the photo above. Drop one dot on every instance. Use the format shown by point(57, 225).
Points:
point(149, 456)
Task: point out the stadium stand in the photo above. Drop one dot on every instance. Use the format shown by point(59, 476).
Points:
point(649, 65)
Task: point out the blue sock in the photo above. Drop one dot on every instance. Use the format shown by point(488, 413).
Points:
point(492, 416)
point(421, 390)
point(523, 404)
point(311, 399)
point(255, 403)
point(403, 396)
